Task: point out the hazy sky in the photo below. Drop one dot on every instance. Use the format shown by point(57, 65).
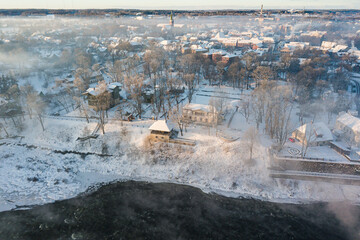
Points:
point(180, 4)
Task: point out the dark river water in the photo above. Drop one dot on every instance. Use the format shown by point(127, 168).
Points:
point(139, 210)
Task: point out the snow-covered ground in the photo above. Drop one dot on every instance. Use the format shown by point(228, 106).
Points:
point(322, 152)
point(37, 176)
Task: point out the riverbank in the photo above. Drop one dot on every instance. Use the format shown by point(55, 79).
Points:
point(37, 176)
point(140, 210)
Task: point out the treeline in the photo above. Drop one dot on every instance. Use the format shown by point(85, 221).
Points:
point(133, 12)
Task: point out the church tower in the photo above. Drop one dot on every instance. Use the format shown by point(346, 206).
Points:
point(171, 19)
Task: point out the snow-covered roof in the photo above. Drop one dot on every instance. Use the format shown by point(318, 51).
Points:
point(198, 107)
point(328, 45)
point(3, 101)
point(114, 85)
point(165, 42)
point(294, 45)
point(314, 33)
point(349, 121)
point(339, 48)
point(220, 35)
point(93, 91)
point(160, 125)
point(135, 44)
point(318, 132)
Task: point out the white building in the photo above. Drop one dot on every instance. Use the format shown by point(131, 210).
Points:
point(348, 127)
point(200, 114)
point(314, 134)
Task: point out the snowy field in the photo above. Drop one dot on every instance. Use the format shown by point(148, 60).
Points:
point(37, 176)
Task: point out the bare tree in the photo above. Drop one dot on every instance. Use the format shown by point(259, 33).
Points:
point(176, 88)
point(103, 101)
point(262, 73)
point(27, 90)
point(37, 105)
point(309, 133)
point(221, 71)
point(251, 62)
point(190, 83)
point(251, 137)
point(274, 104)
point(245, 109)
point(219, 102)
point(176, 116)
point(116, 71)
point(235, 73)
point(79, 84)
point(3, 127)
point(134, 85)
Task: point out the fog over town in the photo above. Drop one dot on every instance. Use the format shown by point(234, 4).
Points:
point(260, 105)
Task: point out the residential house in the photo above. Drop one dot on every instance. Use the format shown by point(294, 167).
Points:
point(114, 89)
point(313, 134)
point(200, 114)
point(348, 127)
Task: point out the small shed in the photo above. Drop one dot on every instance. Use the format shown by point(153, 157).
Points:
point(160, 131)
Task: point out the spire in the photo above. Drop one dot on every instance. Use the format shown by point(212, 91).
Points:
point(171, 19)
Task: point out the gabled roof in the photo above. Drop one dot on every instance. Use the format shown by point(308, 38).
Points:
point(350, 121)
point(160, 125)
point(199, 107)
point(114, 85)
point(317, 132)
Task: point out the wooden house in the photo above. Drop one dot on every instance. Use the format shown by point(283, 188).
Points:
point(161, 132)
point(113, 88)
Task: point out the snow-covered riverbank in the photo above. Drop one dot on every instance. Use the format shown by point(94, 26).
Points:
point(35, 176)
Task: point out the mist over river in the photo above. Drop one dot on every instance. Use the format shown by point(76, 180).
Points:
point(141, 210)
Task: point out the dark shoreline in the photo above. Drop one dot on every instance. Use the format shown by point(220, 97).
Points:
point(140, 210)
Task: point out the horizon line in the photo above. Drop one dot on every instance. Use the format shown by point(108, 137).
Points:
point(188, 10)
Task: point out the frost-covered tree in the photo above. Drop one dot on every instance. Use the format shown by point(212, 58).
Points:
point(37, 106)
point(251, 139)
point(190, 83)
point(262, 73)
point(103, 101)
point(176, 116)
point(134, 85)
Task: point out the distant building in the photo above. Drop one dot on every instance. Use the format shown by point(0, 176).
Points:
point(171, 24)
point(171, 20)
point(229, 58)
point(200, 114)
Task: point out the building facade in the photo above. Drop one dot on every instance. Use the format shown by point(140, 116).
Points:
point(200, 114)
